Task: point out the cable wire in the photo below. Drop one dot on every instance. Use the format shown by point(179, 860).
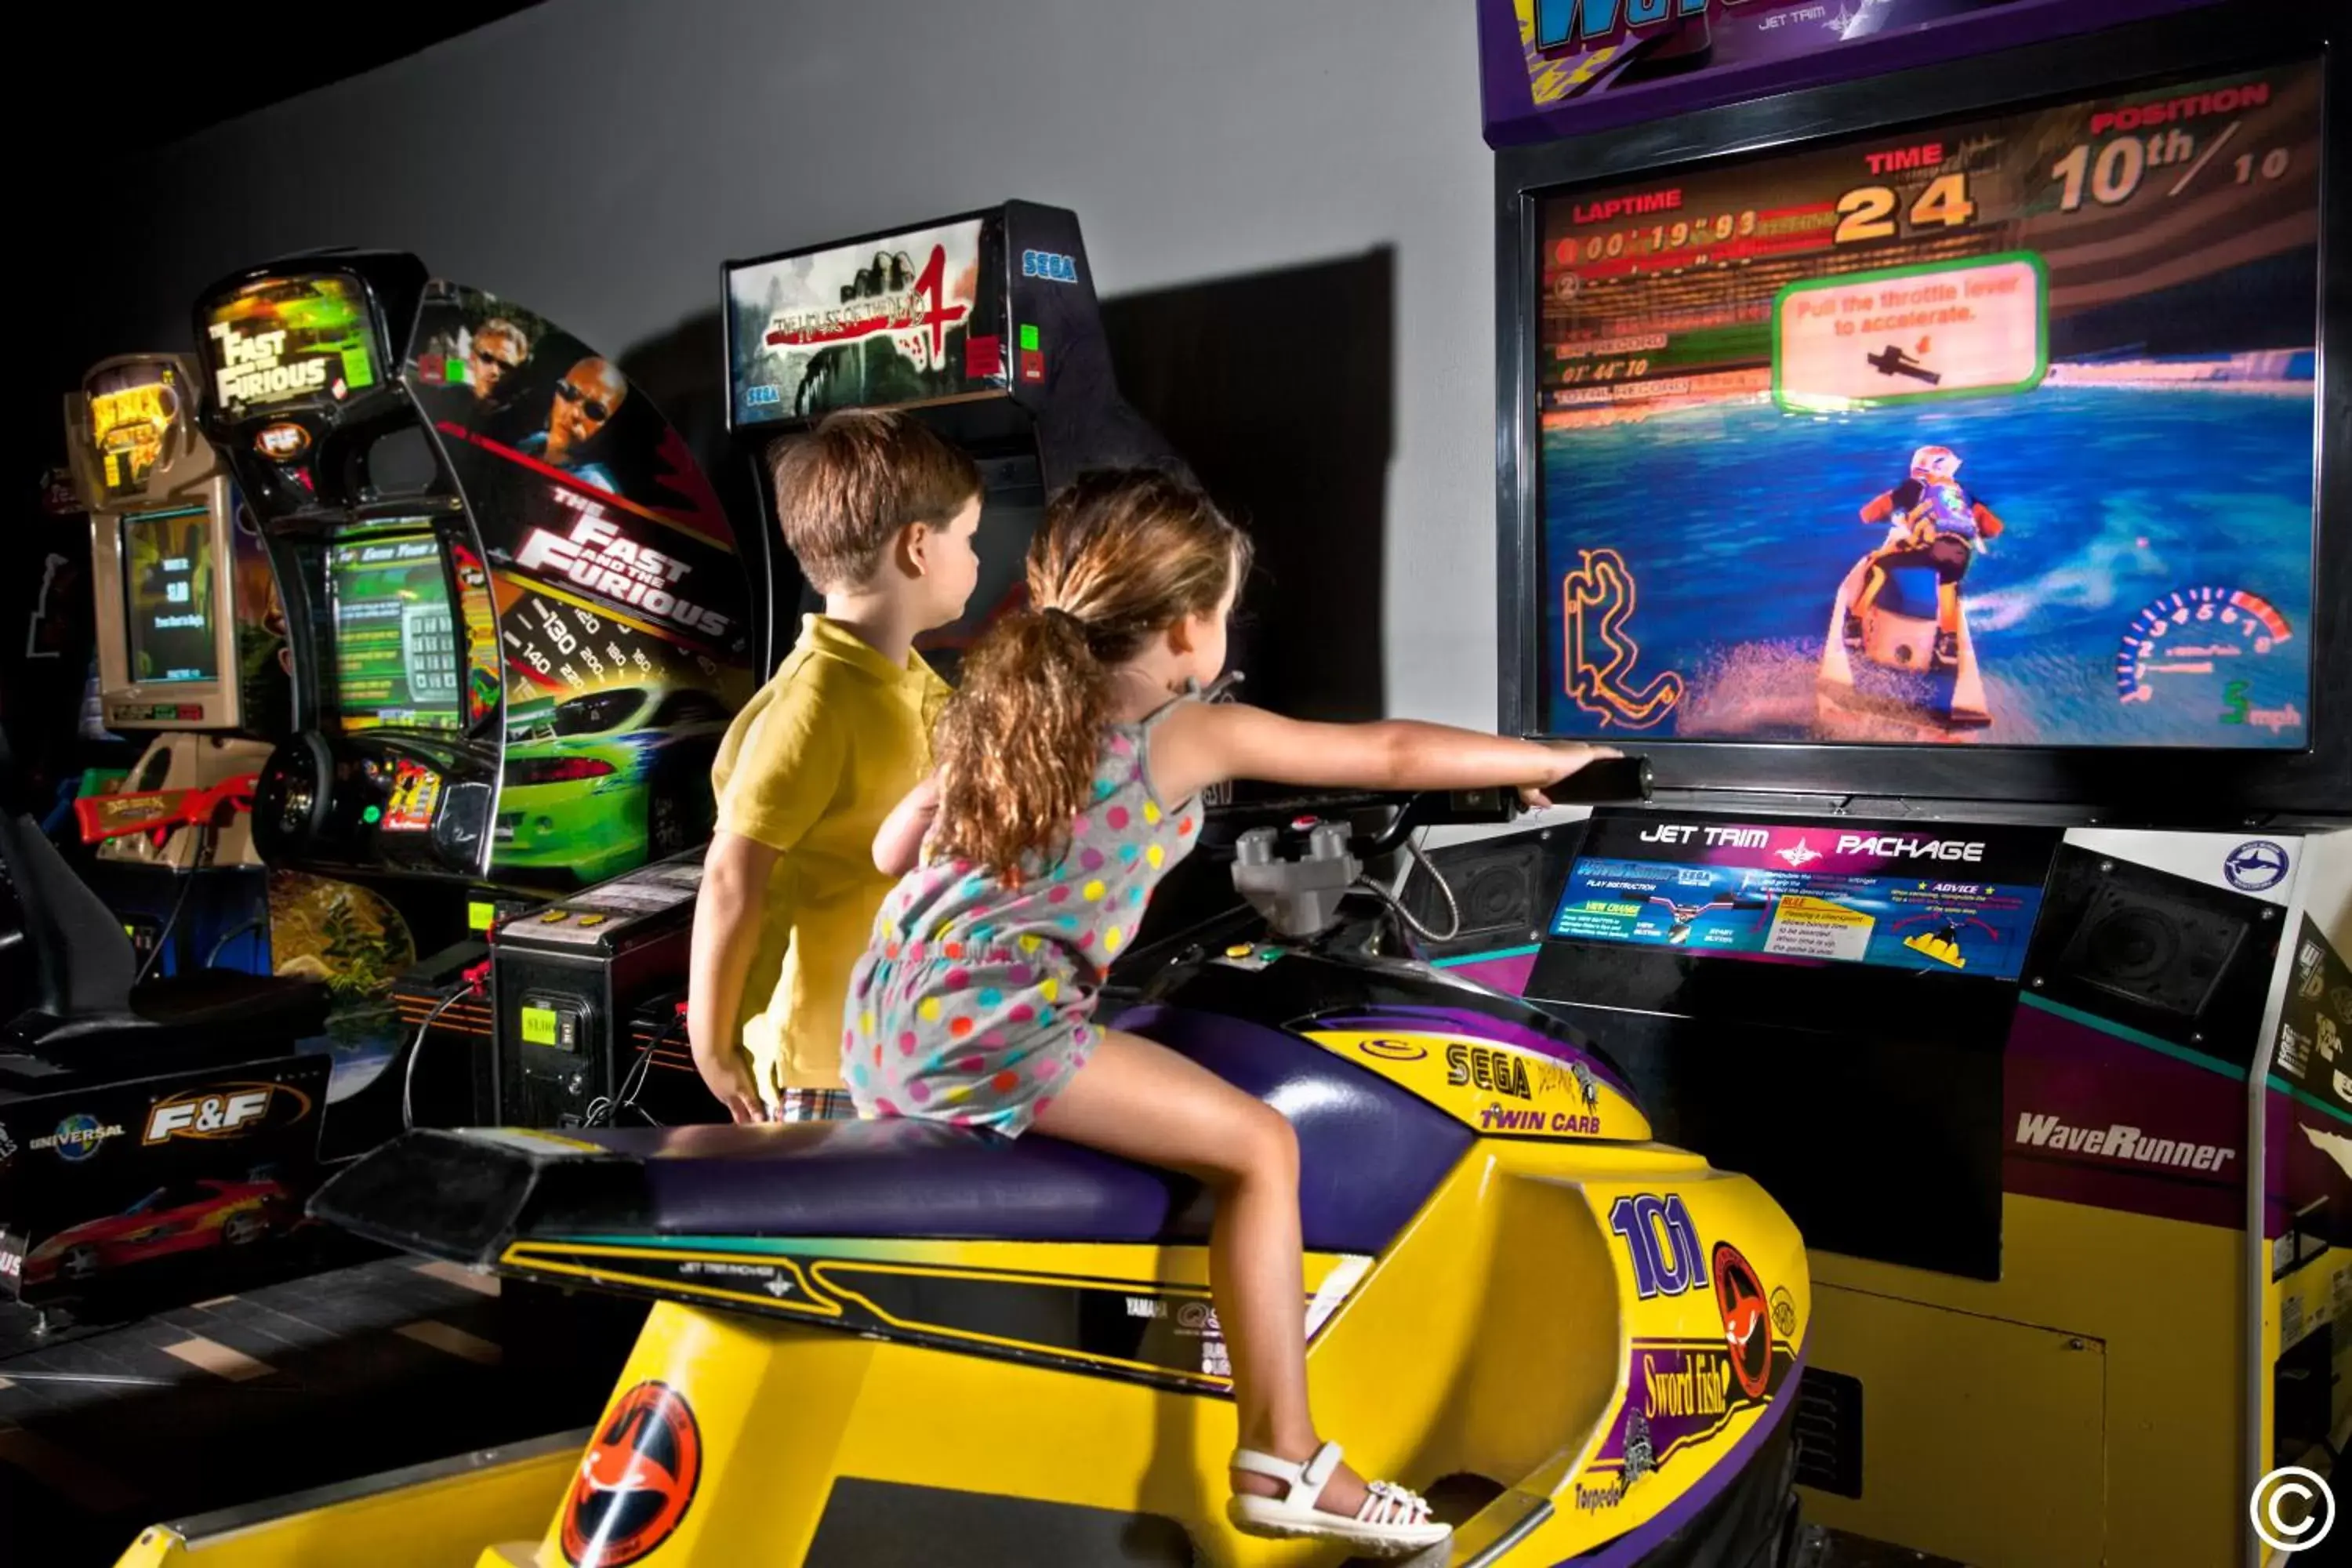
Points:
point(603, 1110)
point(417, 1049)
point(255, 927)
point(163, 937)
point(1415, 857)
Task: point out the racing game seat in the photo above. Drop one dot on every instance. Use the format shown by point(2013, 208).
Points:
point(85, 990)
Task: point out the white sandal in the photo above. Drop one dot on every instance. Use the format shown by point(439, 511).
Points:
point(1392, 1522)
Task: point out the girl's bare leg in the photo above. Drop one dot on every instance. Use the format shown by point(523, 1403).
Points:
point(1144, 1102)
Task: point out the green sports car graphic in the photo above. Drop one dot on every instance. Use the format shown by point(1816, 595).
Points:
point(596, 784)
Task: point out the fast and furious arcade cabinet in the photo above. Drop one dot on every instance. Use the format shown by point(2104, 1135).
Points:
point(1920, 468)
point(517, 621)
point(985, 326)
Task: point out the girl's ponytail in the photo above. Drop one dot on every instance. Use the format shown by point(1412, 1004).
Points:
point(1017, 747)
point(1121, 557)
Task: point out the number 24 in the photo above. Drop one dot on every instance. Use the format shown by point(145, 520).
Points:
point(1863, 211)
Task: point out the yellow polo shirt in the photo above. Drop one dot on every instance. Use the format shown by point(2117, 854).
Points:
point(810, 768)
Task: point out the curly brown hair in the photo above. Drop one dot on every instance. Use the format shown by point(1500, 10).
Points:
point(1121, 556)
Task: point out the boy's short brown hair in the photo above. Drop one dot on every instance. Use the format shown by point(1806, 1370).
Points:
point(845, 490)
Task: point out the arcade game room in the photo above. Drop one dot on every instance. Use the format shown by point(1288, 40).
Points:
point(1270, 783)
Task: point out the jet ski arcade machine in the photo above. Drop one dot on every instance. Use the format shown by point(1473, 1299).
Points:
point(1934, 476)
point(985, 325)
point(518, 622)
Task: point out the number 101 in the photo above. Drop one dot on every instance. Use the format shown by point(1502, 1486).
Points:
point(1664, 1242)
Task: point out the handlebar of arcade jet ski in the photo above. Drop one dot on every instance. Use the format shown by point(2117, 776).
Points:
point(1611, 779)
point(1298, 862)
point(1595, 784)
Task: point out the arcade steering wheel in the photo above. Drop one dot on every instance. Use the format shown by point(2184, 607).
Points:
point(293, 794)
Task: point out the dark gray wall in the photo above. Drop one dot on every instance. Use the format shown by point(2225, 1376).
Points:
point(597, 159)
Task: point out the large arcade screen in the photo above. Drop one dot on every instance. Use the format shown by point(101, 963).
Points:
point(396, 654)
point(898, 320)
point(1999, 429)
point(169, 591)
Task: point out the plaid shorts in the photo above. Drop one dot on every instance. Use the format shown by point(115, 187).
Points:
point(816, 1105)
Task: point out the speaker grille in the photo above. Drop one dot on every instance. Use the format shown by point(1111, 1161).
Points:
point(1829, 1433)
point(2152, 949)
point(1499, 885)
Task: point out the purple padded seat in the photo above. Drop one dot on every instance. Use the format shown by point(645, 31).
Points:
point(1369, 1155)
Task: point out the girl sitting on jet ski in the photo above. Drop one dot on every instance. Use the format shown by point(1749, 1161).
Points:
point(1933, 522)
point(1071, 765)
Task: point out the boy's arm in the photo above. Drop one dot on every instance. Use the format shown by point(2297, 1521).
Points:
point(1879, 508)
point(900, 842)
point(726, 934)
point(785, 777)
point(1988, 521)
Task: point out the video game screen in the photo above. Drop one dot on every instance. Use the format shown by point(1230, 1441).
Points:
point(893, 320)
point(1013, 504)
point(133, 408)
point(396, 657)
point(291, 339)
point(1995, 430)
point(168, 594)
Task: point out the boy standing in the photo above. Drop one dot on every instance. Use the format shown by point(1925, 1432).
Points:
point(881, 513)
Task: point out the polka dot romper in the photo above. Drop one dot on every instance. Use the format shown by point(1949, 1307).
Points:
point(975, 1001)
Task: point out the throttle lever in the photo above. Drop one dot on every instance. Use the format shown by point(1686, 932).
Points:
point(1609, 779)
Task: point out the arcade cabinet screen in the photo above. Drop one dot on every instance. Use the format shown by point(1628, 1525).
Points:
point(894, 320)
point(397, 656)
point(291, 339)
point(133, 408)
point(1997, 429)
point(1012, 505)
point(167, 591)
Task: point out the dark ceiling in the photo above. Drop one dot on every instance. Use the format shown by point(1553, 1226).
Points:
point(218, 48)
point(216, 63)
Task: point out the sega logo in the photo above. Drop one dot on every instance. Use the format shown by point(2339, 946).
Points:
point(1045, 264)
point(762, 394)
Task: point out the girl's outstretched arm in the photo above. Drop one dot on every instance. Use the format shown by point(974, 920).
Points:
point(1201, 744)
point(900, 842)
